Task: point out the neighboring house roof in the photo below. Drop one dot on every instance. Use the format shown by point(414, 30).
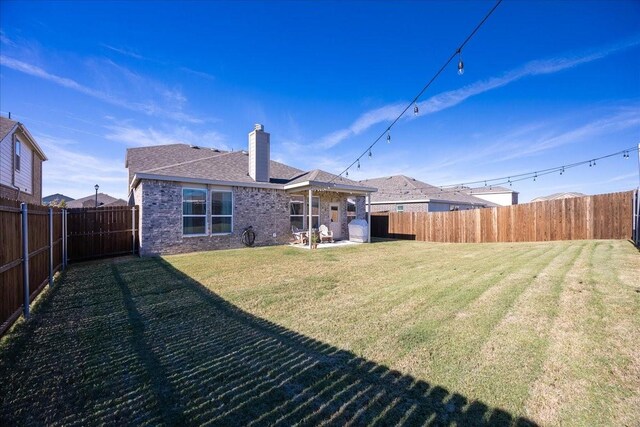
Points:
point(186, 163)
point(103, 200)
point(8, 126)
point(401, 188)
point(490, 189)
point(557, 196)
point(59, 197)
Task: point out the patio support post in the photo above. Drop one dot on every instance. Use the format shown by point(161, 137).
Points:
point(369, 218)
point(50, 246)
point(25, 260)
point(310, 217)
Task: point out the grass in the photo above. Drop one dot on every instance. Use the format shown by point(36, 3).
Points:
point(393, 332)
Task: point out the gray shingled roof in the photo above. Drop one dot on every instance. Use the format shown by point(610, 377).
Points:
point(557, 196)
point(404, 188)
point(103, 199)
point(5, 126)
point(182, 160)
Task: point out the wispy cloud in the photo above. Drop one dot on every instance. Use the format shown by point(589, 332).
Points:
point(123, 51)
point(71, 172)
point(137, 137)
point(451, 98)
point(147, 107)
point(202, 74)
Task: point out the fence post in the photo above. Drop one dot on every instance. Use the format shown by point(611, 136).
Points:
point(50, 246)
point(133, 230)
point(64, 239)
point(25, 259)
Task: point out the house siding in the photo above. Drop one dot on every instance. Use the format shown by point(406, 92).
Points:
point(266, 210)
point(28, 179)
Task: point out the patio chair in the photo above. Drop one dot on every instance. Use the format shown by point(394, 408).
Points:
point(299, 236)
point(325, 234)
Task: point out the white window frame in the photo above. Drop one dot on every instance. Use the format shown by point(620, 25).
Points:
point(17, 153)
point(211, 216)
point(314, 216)
point(205, 216)
point(351, 215)
point(303, 209)
point(400, 208)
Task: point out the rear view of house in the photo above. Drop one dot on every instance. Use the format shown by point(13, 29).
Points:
point(20, 163)
point(194, 198)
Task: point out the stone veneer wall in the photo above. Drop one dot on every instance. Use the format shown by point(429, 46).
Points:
point(160, 202)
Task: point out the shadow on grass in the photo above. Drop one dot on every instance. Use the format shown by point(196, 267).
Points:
point(139, 342)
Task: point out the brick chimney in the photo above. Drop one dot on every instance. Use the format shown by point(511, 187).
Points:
point(259, 154)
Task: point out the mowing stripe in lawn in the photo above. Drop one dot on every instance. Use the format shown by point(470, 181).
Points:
point(513, 355)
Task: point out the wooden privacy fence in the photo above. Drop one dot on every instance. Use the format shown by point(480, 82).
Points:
point(27, 264)
point(605, 216)
point(38, 241)
point(102, 232)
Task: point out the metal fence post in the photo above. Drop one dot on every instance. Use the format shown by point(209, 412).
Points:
point(133, 230)
point(25, 259)
point(50, 246)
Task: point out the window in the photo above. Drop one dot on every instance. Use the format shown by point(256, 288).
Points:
point(221, 212)
point(194, 211)
point(399, 208)
point(351, 210)
point(315, 212)
point(18, 152)
point(296, 212)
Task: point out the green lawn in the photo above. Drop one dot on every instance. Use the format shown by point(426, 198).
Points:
point(388, 333)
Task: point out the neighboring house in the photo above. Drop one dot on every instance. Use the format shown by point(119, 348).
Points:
point(400, 193)
point(56, 198)
point(495, 194)
point(557, 196)
point(20, 163)
point(104, 200)
point(194, 198)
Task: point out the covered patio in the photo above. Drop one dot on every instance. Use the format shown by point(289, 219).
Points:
point(319, 198)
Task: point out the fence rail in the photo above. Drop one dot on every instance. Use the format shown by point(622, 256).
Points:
point(27, 265)
point(38, 241)
point(604, 216)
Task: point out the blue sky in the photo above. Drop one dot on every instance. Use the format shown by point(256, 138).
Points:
point(545, 84)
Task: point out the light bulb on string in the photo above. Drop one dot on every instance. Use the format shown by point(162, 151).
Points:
point(415, 109)
point(535, 176)
point(358, 164)
point(562, 170)
point(594, 163)
point(370, 153)
point(347, 174)
point(460, 63)
point(388, 137)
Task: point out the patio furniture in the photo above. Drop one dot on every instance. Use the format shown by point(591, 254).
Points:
point(325, 234)
point(299, 236)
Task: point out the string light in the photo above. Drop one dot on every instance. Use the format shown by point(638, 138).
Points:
point(415, 109)
point(414, 101)
point(460, 63)
point(358, 164)
point(370, 153)
point(388, 136)
point(454, 188)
